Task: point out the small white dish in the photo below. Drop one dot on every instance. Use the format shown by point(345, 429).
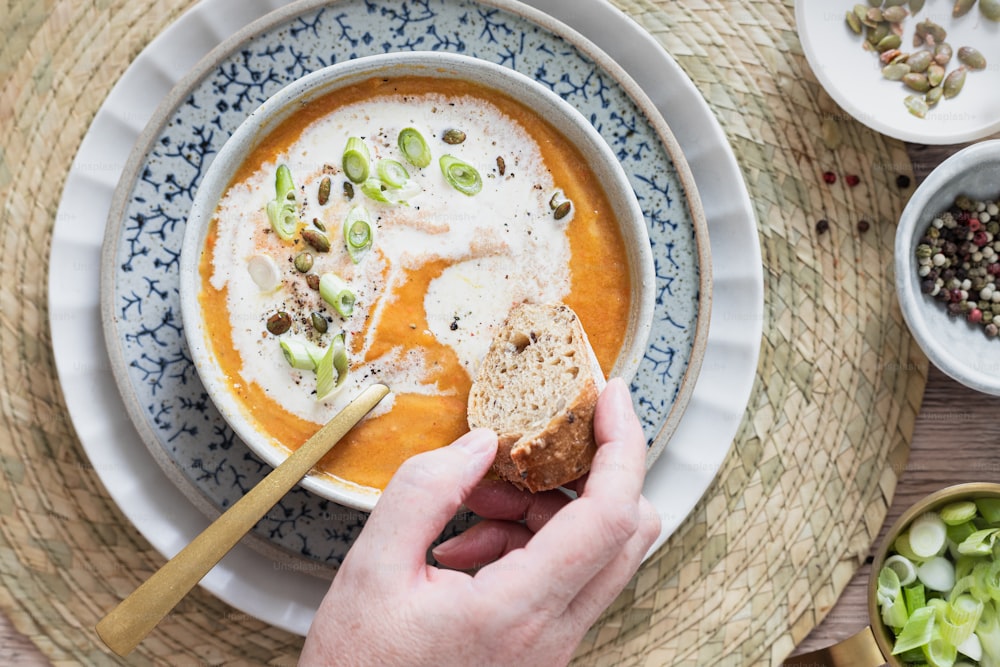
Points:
point(960, 349)
point(853, 78)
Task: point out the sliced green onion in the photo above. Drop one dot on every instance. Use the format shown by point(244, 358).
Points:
point(928, 534)
point(990, 509)
point(917, 631)
point(264, 272)
point(903, 567)
point(335, 292)
point(402, 195)
point(282, 211)
point(903, 548)
point(331, 371)
point(356, 162)
point(359, 233)
point(392, 173)
point(960, 512)
point(283, 183)
point(916, 597)
point(374, 189)
point(299, 354)
point(960, 532)
point(890, 599)
point(937, 574)
point(980, 543)
point(988, 631)
point(414, 148)
point(940, 653)
point(461, 175)
point(971, 648)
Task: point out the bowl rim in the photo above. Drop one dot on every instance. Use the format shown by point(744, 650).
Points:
point(967, 491)
point(915, 214)
point(278, 108)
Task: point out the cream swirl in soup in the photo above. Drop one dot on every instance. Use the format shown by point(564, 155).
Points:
point(442, 272)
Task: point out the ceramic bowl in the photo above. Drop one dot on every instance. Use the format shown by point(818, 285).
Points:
point(575, 128)
point(953, 344)
point(873, 645)
point(932, 502)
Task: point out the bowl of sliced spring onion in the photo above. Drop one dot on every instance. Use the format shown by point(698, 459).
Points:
point(934, 592)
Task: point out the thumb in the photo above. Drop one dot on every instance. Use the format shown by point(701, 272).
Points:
point(423, 496)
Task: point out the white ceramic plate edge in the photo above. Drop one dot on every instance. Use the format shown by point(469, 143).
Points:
point(287, 598)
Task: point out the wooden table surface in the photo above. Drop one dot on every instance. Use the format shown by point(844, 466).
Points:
point(956, 440)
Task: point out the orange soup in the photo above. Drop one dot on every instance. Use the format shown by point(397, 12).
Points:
point(416, 289)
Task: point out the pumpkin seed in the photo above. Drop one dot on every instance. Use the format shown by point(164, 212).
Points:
point(861, 12)
point(562, 210)
point(319, 224)
point(934, 95)
point(916, 6)
point(971, 57)
point(917, 82)
point(894, 3)
point(279, 323)
point(319, 322)
point(876, 34)
point(894, 14)
point(990, 9)
point(962, 7)
point(891, 56)
point(875, 3)
point(888, 43)
point(324, 191)
point(954, 82)
point(936, 33)
point(895, 71)
point(303, 262)
point(312, 280)
point(942, 53)
point(920, 61)
point(935, 75)
point(453, 137)
point(916, 106)
point(316, 239)
point(348, 190)
point(854, 23)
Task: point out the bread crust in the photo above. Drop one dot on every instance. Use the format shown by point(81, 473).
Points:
point(561, 450)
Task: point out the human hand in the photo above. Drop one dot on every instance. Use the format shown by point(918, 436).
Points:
point(547, 565)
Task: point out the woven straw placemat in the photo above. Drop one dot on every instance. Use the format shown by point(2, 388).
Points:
point(794, 507)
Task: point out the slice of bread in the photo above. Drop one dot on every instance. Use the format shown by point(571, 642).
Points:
point(537, 388)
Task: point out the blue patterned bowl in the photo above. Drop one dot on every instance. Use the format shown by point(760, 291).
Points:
point(573, 125)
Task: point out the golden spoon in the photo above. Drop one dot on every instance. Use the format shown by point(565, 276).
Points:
point(135, 616)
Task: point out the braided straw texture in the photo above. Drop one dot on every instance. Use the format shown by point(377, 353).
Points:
point(775, 539)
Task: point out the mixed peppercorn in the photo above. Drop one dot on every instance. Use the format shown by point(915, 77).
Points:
point(958, 260)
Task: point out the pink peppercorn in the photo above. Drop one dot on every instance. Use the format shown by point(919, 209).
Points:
point(852, 179)
point(975, 316)
point(975, 225)
point(980, 238)
point(993, 269)
point(829, 177)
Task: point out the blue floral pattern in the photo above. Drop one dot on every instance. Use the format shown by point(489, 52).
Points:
point(148, 237)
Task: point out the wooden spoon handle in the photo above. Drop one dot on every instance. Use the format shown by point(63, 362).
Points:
point(135, 616)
